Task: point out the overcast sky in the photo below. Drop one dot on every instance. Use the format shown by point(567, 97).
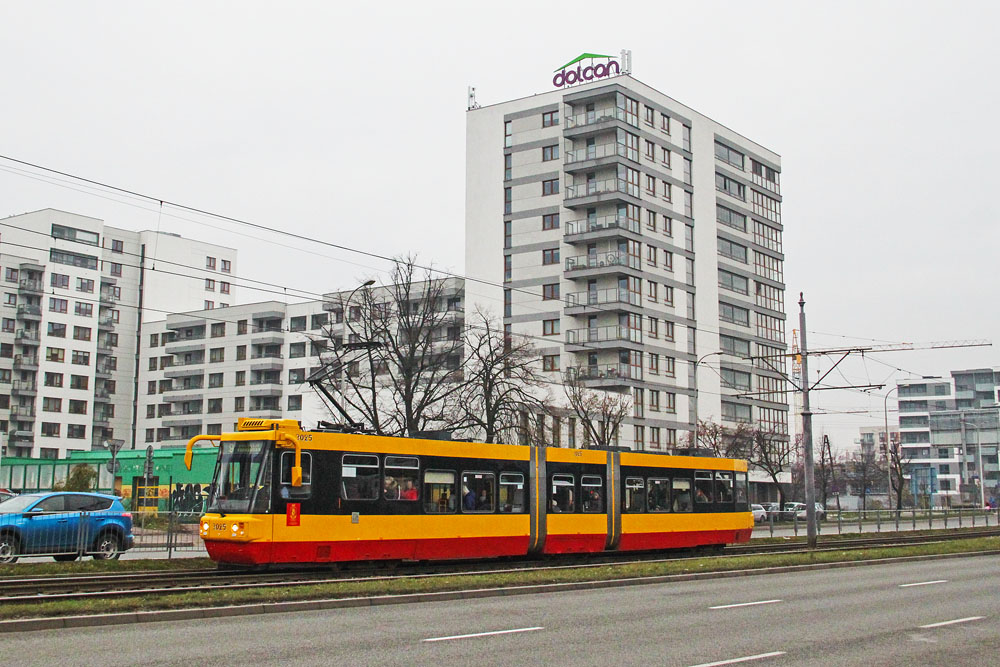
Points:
point(347, 124)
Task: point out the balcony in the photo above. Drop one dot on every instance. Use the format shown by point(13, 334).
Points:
point(108, 298)
point(24, 413)
point(106, 322)
point(179, 420)
point(101, 396)
point(602, 338)
point(580, 303)
point(185, 345)
point(105, 370)
point(596, 191)
point(101, 418)
point(267, 337)
point(598, 155)
point(587, 266)
point(27, 336)
point(605, 375)
point(28, 285)
point(184, 370)
point(183, 395)
point(23, 388)
point(266, 389)
point(590, 229)
point(25, 362)
point(104, 348)
point(27, 311)
point(597, 120)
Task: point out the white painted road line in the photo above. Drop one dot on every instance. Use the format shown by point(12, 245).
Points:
point(748, 658)
point(483, 634)
point(744, 604)
point(957, 620)
point(925, 583)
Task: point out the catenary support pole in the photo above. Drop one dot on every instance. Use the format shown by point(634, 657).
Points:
point(807, 439)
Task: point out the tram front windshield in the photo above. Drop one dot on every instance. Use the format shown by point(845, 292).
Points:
point(242, 478)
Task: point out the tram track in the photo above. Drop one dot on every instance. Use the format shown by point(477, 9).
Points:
point(35, 590)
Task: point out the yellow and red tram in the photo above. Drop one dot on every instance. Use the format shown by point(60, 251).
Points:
point(284, 495)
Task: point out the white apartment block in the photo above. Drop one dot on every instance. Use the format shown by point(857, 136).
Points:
point(949, 434)
point(201, 371)
point(72, 289)
point(637, 241)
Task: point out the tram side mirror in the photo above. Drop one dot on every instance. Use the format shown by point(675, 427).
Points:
point(296, 475)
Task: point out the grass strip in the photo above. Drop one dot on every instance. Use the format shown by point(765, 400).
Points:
point(349, 589)
point(104, 566)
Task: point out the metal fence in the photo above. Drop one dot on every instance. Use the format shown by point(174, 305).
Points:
point(834, 522)
point(67, 536)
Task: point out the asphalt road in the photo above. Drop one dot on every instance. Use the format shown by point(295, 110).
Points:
point(942, 612)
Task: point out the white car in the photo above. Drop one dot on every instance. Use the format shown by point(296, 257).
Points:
point(759, 513)
point(820, 513)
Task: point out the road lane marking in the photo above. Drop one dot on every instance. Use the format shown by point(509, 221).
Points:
point(748, 658)
point(482, 634)
point(957, 620)
point(744, 604)
point(925, 583)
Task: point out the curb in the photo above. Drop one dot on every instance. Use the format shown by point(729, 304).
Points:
point(96, 620)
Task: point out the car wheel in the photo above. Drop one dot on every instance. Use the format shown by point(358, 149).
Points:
point(66, 558)
point(10, 547)
point(107, 547)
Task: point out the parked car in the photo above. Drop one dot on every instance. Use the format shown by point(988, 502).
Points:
point(820, 513)
point(773, 511)
point(64, 526)
point(759, 513)
point(791, 510)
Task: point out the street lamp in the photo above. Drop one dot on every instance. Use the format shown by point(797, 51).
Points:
point(979, 459)
point(888, 444)
point(695, 396)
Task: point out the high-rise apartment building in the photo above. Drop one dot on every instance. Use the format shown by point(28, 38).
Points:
point(72, 289)
point(949, 432)
point(639, 243)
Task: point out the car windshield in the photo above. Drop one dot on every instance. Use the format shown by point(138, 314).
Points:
point(242, 478)
point(19, 503)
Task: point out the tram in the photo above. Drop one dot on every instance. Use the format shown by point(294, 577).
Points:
point(283, 495)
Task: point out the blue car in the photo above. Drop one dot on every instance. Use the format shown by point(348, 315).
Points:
point(64, 526)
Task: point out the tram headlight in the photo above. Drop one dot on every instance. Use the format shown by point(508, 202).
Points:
point(204, 527)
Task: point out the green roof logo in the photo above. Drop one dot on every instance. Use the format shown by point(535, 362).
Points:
point(565, 76)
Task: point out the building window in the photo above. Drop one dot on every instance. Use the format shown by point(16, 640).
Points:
point(217, 354)
point(53, 379)
point(665, 123)
point(219, 329)
point(651, 255)
point(507, 200)
point(650, 150)
point(730, 186)
point(508, 134)
point(57, 305)
point(734, 314)
point(731, 218)
point(227, 266)
point(10, 275)
point(76, 431)
point(84, 285)
point(81, 333)
point(651, 185)
point(80, 358)
point(733, 282)
point(550, 327)
point(550, 221)
point(295, 402)
point(51, 404)
point(239, 404)
point(550, 362)
point(56, 329)
point(550, 187)
point(117, 245)
point(215, 380)
point(210, 263)
point(241, 378)
point(241, 352)
point(550, 153)
point(508, 165)
point(550, 291)
point(686, 138)
point(728, 155)
point(732, 250)
point(224, 287)
point(508, 268)
point(550, 256)
point(550, 118)
point(77, 407)
point(83, 309)
point(209, 305)
point(650, 116)
point(209, 285)
point(50, 430)
point(55, 354)
point(116, 269)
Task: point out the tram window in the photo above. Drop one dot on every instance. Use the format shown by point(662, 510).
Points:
point(682, 494)
point(592, 493)
point(439, 492)
point(562, 499)
point(741, 492)
point(288, 461)
point(724, 487)
point(659, 494)
point(702, 486)
point(478, 491)
point(402, 478)
point(359, 477)
point(511, 492)
point(635, 494)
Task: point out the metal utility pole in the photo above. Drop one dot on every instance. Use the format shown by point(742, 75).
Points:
point(807, 438)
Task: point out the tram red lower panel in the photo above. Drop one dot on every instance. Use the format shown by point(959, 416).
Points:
point(680, 539)
point(255, 553)
point(574, 544)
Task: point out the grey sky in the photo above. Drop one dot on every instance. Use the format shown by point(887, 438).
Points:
point(348, 124)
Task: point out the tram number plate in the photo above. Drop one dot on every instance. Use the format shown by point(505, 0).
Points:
point(218, 526)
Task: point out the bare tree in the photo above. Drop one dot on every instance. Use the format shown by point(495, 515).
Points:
point(899, 463)
point(502, 380)
point(769, 451)
point(400, 368)
point(600, 412)
point(864, 471)
point(724, 441)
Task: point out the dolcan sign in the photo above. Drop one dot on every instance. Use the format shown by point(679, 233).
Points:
point(567, 75)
